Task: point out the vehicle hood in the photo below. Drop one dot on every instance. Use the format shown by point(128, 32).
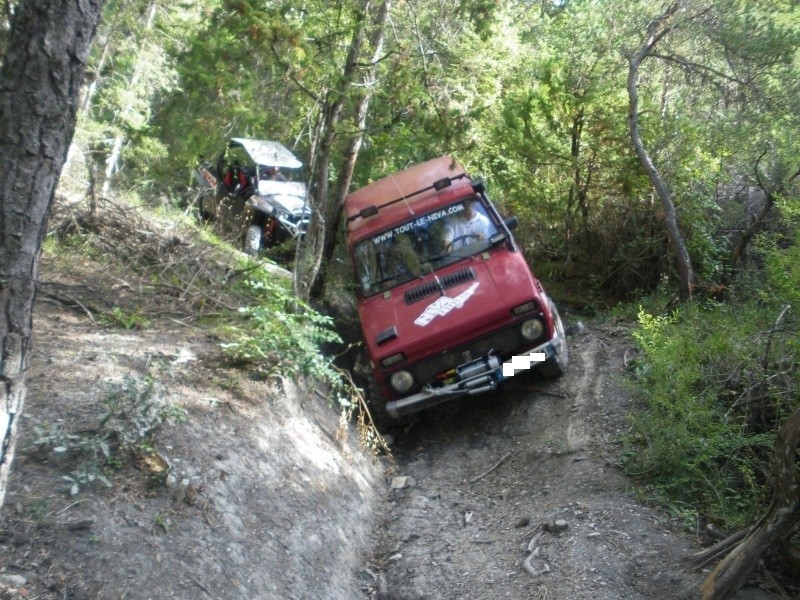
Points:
point(288, 195)
point(438, 322)
point(291, 204)
point(281, 188)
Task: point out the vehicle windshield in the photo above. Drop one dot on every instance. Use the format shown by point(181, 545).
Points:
point(422, 245)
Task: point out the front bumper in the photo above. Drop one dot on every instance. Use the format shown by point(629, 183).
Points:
point(479, 381)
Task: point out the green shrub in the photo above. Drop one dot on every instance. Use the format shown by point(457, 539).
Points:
point(132, 412)
point(716, 382)
point(281, 335)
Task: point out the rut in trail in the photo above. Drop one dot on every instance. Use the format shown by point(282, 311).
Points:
point(491, 476)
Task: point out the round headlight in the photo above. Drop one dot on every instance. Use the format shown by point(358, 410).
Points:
point(532, 329)
point(401, 381)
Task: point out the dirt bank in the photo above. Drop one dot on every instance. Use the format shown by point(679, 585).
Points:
point(254, 492)
point(248, 491)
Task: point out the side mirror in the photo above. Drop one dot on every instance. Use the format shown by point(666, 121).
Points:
point(478, 186)
point(512, 222)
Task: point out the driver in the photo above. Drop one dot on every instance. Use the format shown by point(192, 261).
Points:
point(273, 174)
point(467, 226)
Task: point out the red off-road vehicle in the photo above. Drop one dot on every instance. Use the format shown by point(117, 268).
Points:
point(445, 297)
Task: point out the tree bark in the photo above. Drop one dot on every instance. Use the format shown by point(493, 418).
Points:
point(778, 524)
point(325, 211)
point(656, 31)
point(336, 203)
point(40, 82)
point(308, 260)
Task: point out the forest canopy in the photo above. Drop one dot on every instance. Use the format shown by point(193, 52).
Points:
point(530, 95)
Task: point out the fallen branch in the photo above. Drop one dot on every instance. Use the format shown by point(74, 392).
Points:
point(492, 468)
point(67, 300)
point(528, 565)
point(776, 525)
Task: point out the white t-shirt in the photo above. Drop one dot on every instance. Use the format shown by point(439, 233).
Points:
point(478, 225)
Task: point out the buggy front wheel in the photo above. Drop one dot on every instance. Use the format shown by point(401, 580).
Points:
point(252, 240)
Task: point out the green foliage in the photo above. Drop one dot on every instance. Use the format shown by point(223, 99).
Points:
point(121, 318)
point(162, 522)
point(133, 411)
point(716, 382)
point(93, 452)
point(650, 335)
point(132, 67)
point(782, 253)
point(529, 95)
point(281, 335)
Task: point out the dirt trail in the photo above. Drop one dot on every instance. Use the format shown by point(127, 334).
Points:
point(492, 476)
point(263, 500)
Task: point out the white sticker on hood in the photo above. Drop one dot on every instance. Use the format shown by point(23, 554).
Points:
point(444, 304)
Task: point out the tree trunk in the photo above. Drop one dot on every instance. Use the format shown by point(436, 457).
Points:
point(656, 31)
point(778, 524)
point(770, 194)
point(40, 82)
point(336, 204)
point(741, 246)
point(308, 261)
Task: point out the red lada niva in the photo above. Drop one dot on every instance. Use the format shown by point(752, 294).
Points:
point(445, 297)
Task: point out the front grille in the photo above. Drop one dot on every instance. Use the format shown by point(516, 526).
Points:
point(431, 287)
point(501, 343)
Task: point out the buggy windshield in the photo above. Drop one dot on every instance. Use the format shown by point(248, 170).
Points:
point(422, 245)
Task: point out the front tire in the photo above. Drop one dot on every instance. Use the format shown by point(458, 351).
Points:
point(203, 214)
point(252, 240)
point(556, 366)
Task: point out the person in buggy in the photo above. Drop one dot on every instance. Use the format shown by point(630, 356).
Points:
point(271, 174)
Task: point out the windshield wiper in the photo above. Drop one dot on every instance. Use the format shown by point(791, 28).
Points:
point(449, 254)
point(386, 279)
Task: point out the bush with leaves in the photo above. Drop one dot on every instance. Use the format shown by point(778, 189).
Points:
point(281, 335)
point(133, 410)
point(716, 381)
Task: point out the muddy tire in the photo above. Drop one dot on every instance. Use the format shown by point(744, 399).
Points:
point(252, 240)
point(556, 366)
point(203, 215)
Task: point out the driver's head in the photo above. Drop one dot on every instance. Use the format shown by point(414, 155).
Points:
point(469, 209)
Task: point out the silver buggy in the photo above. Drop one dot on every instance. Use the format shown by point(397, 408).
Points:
point(255, 192)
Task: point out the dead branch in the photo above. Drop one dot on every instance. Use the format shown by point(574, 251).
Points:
point(710, 554)
point(779, 522)
point(490, 469)
point(771, 332)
